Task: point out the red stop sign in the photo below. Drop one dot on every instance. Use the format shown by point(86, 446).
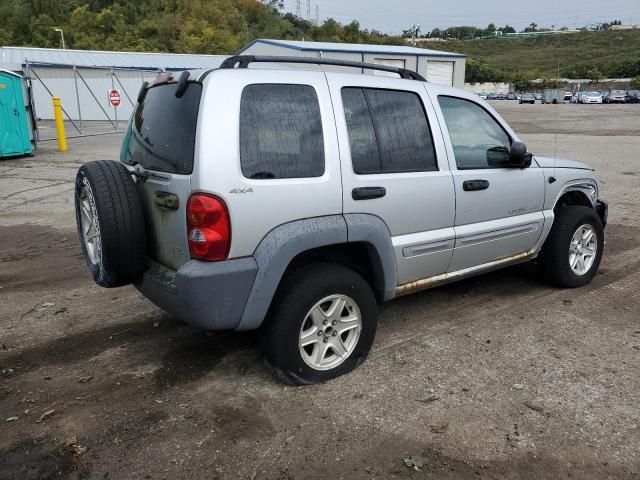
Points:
point(114, 97)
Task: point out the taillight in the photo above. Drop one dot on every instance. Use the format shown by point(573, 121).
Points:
point(208, 227)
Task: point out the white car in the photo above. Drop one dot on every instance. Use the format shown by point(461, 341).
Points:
point(592, 97)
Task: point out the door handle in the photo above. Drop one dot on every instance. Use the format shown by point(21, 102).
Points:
point(475, 185)
point(368, 193)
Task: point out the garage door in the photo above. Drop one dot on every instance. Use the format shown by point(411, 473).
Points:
point(440, 72)
point(391, 62)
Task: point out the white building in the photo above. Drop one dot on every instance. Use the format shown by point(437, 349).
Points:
point(437, 67)
point(83, 78)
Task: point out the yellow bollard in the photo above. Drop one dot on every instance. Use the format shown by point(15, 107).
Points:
point(57, 114)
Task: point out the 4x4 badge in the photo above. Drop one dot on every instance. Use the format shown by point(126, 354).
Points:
point(242, 190)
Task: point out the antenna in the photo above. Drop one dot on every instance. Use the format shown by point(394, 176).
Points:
point(298, 9)
point(555, 135)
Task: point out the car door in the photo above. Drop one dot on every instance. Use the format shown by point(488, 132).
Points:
point(498, 209)
point(389, 145)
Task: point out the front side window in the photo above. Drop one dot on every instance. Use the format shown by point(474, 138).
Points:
point(388, 131)
point(280, 132)
point(478, 139)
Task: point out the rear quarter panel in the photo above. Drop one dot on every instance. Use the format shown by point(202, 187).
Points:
point(258, 206)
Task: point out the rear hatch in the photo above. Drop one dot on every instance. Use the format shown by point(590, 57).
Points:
point(161, 138)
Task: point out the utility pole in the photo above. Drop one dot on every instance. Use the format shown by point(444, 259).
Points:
point(309, 10)
point(317, 15)
point(414, 32)
point(298, 9)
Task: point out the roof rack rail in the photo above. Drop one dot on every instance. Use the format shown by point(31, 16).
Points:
point(243, 61)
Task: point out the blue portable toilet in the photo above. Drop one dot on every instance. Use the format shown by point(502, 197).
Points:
point(16, 137)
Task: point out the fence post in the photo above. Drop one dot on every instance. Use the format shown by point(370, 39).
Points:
point(57, 114)
point(75, 81)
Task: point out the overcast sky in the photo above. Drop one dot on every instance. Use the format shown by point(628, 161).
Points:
point(395, 16)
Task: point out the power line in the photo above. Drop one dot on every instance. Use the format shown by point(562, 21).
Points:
point(309, 10)
point(317, 15)
point(298, 9)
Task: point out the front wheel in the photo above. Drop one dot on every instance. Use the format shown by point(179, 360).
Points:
point(321, 326)
point(573, 251)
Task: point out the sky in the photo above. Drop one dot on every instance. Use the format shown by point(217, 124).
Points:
point(395, 16)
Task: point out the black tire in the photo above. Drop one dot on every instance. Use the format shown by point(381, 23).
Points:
point(118, 256)
point(555, 253)
point(297, 294)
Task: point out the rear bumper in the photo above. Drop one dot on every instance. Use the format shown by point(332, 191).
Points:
point(602, 209)
point(210, 295)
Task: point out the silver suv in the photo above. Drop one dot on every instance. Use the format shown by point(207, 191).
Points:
point(296, 200)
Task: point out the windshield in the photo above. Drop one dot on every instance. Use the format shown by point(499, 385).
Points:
point(593, 94)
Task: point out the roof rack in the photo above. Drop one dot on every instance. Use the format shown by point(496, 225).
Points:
point(243, 61)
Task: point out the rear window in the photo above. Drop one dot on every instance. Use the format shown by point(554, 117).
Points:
point(280, 132)
point(163, 129)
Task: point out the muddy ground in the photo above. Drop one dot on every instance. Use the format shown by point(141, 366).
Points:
point(499, 376)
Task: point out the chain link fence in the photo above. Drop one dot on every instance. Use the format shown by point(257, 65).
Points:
point(84, 93)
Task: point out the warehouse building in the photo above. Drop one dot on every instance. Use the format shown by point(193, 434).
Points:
point(84, 79)
point(437, 67)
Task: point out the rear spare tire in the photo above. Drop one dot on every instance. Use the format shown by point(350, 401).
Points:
point(110, 223)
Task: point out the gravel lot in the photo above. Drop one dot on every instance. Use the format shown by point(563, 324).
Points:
point(500, 376)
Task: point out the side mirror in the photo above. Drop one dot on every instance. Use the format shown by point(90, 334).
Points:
point(518, 156)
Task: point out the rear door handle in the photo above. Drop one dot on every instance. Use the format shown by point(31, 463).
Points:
point(368, 193)
point(475, 185)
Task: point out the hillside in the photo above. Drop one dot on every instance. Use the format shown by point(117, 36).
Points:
point(613, 53)
point(183, 26)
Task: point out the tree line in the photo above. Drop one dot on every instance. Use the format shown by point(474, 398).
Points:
point(183, 26)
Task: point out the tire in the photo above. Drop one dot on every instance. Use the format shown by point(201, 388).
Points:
point(289, 317)
point(556, 255)
point(109, 211)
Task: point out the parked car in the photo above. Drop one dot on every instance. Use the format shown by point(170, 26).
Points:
point(511, 96)
point(538, 96)
point(483, 95)
point(617, 96)
point(592, 97)
point(527, 98)
point(567, 97)
point(605, 96)
point(298, 200)
point(502, 96)
point(492, 96)
point(633, 96)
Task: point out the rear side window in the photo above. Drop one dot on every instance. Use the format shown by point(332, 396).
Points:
point(280, 132)
point(388, 131)
point(163, 129)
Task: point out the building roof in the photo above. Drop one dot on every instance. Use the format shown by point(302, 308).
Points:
point(13, 58)
point(353, 47)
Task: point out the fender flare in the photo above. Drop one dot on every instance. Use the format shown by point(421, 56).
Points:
point(281, 245)
point(274, 253)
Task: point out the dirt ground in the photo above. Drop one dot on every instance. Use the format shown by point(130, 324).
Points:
point(499, 376)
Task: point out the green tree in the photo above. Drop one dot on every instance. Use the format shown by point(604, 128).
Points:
point(635, 83)
point(595, 74)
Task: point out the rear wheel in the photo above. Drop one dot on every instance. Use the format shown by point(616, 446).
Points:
point(110, 223)
point(572, 253)
point(322, 324)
